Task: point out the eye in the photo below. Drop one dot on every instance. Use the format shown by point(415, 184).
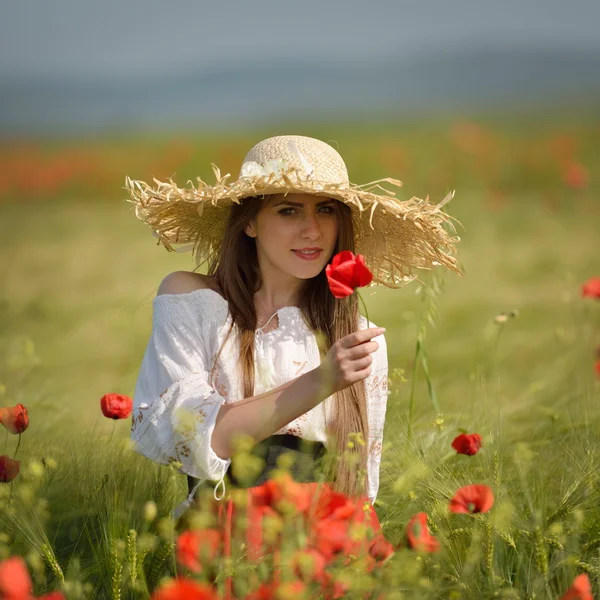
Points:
point(285, 213)
point(329, 209)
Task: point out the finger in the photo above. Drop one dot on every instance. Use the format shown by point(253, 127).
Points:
point(364, 335)
point(362, 363)
point(362, 350)
point(363, 373)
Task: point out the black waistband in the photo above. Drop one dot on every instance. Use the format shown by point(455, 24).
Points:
point(293, 442)
point(305, 468)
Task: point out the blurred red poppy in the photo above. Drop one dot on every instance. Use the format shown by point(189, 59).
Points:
point(581, 589)
point(591, 288)
point(330, 537)
point(15, 418)
point(282, 489)
point(308, 565)
point(380, 548)
point(192, 546)
point(335, 505)
point(9, 469)
point(418, 536)
point(185, 588)
point(597, 366)
point(14, 579)
point(474, 498)
point(274, 590)
point(346, 273)
point(575, 175)
point(116, 406)
point(333, 588)
point(265, 591)
point(467, 443)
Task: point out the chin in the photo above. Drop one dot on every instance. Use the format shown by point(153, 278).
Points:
point(309, 273)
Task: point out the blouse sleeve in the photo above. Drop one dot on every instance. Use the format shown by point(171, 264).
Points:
point(377, 394)
point(174, 407)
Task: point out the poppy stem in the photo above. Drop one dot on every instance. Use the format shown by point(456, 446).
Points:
point(365, 307)
point(17, 448)
point(413, 384)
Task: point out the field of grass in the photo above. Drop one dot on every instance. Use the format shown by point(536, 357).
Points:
point(78, 273)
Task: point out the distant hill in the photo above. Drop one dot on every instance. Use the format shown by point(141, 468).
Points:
point(477, 79)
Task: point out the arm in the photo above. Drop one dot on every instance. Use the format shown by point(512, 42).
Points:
point(174, 406)
point(178, 416)
point(262, 415)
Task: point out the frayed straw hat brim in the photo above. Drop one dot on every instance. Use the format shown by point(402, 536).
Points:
point(396, 237)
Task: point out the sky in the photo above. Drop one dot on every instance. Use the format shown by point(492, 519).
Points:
point(136, 38)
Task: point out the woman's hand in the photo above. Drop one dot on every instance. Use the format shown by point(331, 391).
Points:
point(349, 359)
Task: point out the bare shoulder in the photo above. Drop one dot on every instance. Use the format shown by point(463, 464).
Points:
point(182, 282)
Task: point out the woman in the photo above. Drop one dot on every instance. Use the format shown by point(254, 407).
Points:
point(260, 346)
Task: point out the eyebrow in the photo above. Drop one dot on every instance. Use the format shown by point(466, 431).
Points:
point(299, 204)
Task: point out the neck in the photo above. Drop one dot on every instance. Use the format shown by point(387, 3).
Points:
point(272, 296)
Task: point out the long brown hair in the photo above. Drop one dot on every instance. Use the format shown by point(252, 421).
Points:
point(236, 273)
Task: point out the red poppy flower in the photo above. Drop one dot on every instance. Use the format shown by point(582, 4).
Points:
point(14, 418)
point(15, 583)
point(255, 529)
point(467, 443)
point(116, 406)
point(597, 366)
point(282, 489)
point(418, 536)
point(185, 588)
point(265, 591)
point(579, 590)
point(308, 564)
point(575, 175)
point(380, 548)
point(591, 288)
point(346, 273)
point(335, 505)
point(9, 469)
point(474, 498)
point(334, 589)
point(273, 590)
point(192, 546)
point(331, 537)
point(53, 596)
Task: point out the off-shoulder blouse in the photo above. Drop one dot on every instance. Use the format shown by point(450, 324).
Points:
point(175, 407)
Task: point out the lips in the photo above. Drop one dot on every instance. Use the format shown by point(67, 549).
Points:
point(308, 253)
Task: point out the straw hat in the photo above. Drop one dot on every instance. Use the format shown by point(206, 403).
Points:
point(395, 236)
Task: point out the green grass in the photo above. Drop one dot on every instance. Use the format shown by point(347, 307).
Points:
point(78, 278)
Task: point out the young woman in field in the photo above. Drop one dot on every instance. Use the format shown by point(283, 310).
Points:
point(259, 345)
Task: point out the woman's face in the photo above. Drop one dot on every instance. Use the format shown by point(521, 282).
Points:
point(295, 234)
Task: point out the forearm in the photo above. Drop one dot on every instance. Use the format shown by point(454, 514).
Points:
point(262, 415)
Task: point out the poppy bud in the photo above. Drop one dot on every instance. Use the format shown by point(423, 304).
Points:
point(14, 418)
point(9, 469)
point(116, 406)
point(467, 443)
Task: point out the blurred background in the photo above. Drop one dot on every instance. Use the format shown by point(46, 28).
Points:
point(498, 101)
point(72, 67)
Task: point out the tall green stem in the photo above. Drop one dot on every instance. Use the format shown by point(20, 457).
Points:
point(365, 307)
point(413, 385)
point(17, 448)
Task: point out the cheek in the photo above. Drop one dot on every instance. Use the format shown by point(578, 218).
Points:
point(275, 232)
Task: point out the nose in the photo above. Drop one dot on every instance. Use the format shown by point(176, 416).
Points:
point(311, 229)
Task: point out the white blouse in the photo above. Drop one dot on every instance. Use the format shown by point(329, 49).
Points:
point(175, 407)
